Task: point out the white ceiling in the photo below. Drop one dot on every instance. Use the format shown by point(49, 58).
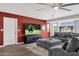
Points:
point(34, 10)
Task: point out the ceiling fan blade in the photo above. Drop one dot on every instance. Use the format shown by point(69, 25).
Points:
point(65, 9)
point(42, 3)
point(70, 4)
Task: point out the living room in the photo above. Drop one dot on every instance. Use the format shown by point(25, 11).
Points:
point(30, 29)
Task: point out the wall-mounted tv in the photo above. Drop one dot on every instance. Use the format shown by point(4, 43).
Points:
point(32, 29)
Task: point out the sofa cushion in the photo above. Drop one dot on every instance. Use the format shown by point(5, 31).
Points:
point(72, 45)
point(56, 34)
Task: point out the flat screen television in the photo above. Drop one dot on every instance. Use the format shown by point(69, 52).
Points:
point(32, 29)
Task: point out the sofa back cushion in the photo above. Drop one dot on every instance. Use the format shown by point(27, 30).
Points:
point(66, 34)
point(57, 34)
point(72, 45)
point(75, 34)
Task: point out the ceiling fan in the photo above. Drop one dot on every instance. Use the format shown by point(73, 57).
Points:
point(58, 5)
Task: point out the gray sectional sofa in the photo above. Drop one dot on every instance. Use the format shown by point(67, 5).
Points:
point(72, 49)
point(64, 36)
point(56, 43)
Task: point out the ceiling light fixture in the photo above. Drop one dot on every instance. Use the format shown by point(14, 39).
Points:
point(56, 7)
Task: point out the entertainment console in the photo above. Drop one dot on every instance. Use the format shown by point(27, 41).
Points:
point(31, 38)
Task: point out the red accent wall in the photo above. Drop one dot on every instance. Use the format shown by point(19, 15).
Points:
point(22, 20)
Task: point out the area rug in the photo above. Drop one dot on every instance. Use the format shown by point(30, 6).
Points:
point(37, 50)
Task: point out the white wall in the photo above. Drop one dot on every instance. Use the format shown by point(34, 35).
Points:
point(76, 26)
point(51, 29)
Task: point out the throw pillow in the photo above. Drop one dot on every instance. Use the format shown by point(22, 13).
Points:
point(72, 45)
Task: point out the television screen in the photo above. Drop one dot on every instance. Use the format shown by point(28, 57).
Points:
point(31, 29)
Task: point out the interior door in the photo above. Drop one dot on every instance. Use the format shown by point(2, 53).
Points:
point(10, 31)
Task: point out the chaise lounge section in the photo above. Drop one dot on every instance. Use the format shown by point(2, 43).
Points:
point(72, 49)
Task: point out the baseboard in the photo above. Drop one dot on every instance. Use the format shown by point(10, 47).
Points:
point(17, 43)
point(1, 46)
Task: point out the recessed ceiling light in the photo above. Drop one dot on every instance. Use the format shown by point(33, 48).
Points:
point(56, 7)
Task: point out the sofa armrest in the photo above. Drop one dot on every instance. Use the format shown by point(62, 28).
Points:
point(72, 54)
point(57, 51)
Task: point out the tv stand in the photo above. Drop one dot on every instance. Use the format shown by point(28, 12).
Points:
point(31, 38)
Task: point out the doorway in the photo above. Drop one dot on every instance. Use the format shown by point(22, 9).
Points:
point(10, 31)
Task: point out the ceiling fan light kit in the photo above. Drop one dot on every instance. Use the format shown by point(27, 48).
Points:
point(55, 5)
point(56, 8)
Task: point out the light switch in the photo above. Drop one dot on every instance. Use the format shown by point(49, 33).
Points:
point(2, 30)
